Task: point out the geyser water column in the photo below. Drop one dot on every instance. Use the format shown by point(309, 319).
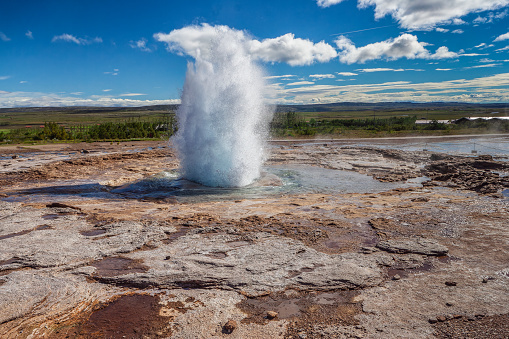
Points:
point(222, 119)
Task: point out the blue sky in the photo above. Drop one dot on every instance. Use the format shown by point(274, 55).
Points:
point(131, 53)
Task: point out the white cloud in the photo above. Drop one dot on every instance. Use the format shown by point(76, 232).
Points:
point(23, 82)
point(29, 35)
point(458, 31)
point(291, 50)
point(76, 93)
point(37, 99)
point(107, 90)
point(441, 30)
point(484, 66)
point(415, 14)
point(115, 72)
point(347, 74)
point(502, 49)
point(473, 54)
point(484, 45)
point(443, 53)
point(131, 94)
point(322, 76)
point(327, 3)
point(404, 46)
point(486, 60)
point(443, 69)
point(282, 77)
point(502, 37)
point(4, 77)
point(372, 70)
point(4, 37)
point(140, 44)
point(300, 83)
point(197, 40)
point(491, 17)
point(79, 41)
point(486, 89)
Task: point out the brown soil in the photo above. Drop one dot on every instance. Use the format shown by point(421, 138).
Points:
point(474, 327)
point(129, 316)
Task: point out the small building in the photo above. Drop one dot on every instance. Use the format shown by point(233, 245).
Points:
point(427, 122)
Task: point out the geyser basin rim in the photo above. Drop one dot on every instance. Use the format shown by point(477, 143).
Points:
point(276, 180)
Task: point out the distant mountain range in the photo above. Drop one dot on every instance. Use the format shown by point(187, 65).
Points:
point(342, 106)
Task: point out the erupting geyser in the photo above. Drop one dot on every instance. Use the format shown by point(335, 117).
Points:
point(223, 121)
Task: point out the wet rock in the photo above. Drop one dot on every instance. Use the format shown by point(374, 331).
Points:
point(230, 326)
point(418, 246)
point(271, 314)
point(420, 199)
point(60, 205)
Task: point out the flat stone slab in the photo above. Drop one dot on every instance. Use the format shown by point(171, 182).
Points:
point(263, 264)
point(418, 246)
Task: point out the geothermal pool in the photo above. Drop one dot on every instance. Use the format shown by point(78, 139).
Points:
point(275, 180)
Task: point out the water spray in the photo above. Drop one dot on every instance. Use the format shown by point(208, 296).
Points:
point(223, 121)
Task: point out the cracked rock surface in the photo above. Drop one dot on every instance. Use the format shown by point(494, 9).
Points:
point(78, 259)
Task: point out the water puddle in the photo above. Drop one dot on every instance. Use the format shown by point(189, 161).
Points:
point(404, 272)
point(292, 307)
point(496, 146)
point(115, 266)
point(217, 255)
point(38, 228)
point(129, 316)
point(92, 233)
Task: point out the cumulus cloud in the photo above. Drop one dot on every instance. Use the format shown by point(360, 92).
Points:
point(29, 35)
point(347, 74)
point(414, 14)
point(327, 3)
point(79, 41)
point(502, 49)
point(322, 76)
point(502, 37)
point(4, 37)
point(441, 30)
point(404, 46)
point(458, 31)
point(140, 44)
point(197, 40)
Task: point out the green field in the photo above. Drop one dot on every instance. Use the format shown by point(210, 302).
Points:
point(343, 120)
point(21, 118)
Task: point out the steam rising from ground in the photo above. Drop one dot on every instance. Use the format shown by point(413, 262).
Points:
point(223, 121)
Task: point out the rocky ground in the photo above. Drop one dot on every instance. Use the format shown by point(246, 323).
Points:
point(80, 259)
